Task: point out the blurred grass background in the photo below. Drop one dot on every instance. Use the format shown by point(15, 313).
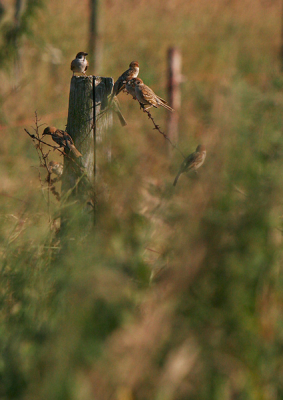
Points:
point(177, 294)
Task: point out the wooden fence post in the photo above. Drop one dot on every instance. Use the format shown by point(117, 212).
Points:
point(79, 176)
point(19, 6)
point(174, 60)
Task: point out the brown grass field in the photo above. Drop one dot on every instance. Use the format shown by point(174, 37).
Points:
point(176, 294)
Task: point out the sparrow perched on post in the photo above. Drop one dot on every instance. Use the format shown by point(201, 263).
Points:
point(80, 63)
point(63, 139)
point(130, 87)
point(55, 167)
point(147, 97)
point(131, 73)
point(193, 161)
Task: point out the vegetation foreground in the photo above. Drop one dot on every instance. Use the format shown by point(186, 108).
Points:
point(177, 293)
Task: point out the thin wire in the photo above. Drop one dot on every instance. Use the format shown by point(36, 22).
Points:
point(157, 127)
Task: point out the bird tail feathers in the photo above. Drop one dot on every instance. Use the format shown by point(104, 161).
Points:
point(176, 179)
point(75, 151)
point(164, 104)
point(121, 118)
point(116, 108)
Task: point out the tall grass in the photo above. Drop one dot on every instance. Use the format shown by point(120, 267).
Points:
point(177, 293)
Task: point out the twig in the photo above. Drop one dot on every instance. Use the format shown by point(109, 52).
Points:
point(154, 251)
point(240, 191)
point(47, 144)
point(41, 184)
point(43, 159)
point(12, 197)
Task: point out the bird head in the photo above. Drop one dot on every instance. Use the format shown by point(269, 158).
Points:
point(49, 130)
point(201, 148)
point(131, 82)
point(134, 64)
point(81, 55)
point(137, 81)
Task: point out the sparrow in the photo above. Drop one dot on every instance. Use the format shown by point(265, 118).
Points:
point(55, 167)
point(131, 73)
point(193, 161)
point(147, 97)
point(80, 63)
point(130, 88)
point(63, 139)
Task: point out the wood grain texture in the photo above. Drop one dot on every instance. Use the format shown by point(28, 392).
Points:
point(79, 177)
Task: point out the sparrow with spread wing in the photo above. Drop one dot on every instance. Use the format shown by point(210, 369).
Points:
point(80, 63)
point(193, 161)
point(146, 96)
point(62, 138)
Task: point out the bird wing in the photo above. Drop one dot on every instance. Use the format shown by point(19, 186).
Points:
point(127, 75)
point(149, 95)
point(162, 100)
point(186, 164)
point(68, 142)
point(73, 65)
point(194, 160)
point(119, 84)
point(189, 162)
point(67, 138)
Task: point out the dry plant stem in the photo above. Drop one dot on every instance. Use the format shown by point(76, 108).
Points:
point(157, 127)
point(43, 158)
point(12, 197)
point(41, 141)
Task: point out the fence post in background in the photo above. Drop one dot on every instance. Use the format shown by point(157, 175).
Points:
point(19, 5)
point(79, 176)
point(174, 62)
point(95, 35)
point(281, 36)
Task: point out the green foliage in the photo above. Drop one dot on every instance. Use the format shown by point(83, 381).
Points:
point(176, 293)
point(13, 32)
